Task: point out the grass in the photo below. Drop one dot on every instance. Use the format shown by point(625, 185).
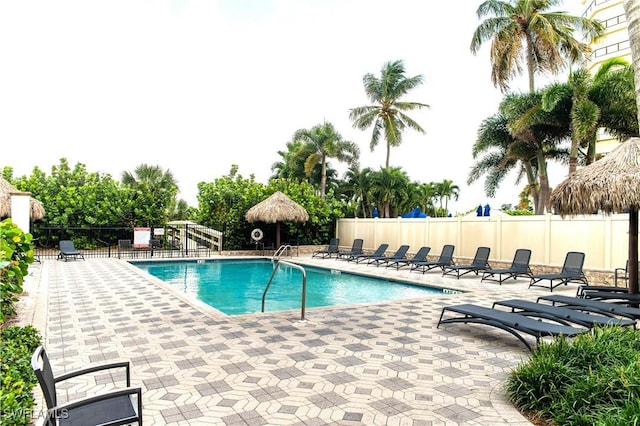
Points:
point(592, 379)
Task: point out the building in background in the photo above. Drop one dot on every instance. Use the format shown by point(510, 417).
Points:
point(614, 43)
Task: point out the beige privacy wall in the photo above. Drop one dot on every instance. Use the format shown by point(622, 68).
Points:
point(604, 239)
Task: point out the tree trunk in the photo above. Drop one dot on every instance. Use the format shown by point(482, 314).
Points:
point(632, 12)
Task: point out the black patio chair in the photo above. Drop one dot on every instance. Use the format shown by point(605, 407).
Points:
point(571, 272)
point(68, 251)
point(480, 263)
point(116, 407)
point(519, 267)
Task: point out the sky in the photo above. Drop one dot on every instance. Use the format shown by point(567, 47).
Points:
point(198, 86)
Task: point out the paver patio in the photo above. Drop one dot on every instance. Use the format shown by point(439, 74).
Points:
point(379, 364)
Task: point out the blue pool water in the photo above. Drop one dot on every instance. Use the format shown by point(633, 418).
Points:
point(235, 287)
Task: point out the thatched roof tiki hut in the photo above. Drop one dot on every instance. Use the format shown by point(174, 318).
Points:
point(6, 189)
point(275, 209)
point(610, 185)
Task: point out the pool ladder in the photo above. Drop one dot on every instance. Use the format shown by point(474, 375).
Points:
point(283, 248)
point(304, 284)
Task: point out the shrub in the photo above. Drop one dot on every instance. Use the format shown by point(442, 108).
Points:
point(592, 379)
point(17, 344)
point(16, 253)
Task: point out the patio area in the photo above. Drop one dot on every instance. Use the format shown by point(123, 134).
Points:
point(380, 364)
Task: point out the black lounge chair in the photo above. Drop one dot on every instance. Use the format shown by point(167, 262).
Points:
point(68, 251)
point(366, 256)
point(480, 263)
point(597, 306)
point(356, 249)
point(420, 256)
point(623, 274)
point(331, 250)
point(519, 268)
point(562, 314)
point(606, 288)
point(571, 272)
point(117, 407)
point(381, 260)
point(516, 324)
point(614, 297)
point(445, 259)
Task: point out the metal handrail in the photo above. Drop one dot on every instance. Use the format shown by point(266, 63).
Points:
point(280, 251)
point(304, 284)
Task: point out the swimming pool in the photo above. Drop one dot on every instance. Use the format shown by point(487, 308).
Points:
point(235, 286)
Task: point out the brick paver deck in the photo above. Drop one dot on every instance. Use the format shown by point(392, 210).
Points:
point(379, 364)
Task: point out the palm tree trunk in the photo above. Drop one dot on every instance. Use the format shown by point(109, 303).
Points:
point(632, 12)
point(388, 155)
point(543, 195)
point(323, 177)
point(530, 67)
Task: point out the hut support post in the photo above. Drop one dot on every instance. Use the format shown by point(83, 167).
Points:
point(633, 250)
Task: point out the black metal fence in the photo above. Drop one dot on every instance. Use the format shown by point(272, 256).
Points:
point(183, 239)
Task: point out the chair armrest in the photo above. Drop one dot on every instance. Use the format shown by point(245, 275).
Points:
point(59, 410)
point(93, 369)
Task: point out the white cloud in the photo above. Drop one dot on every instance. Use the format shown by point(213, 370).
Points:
point(196, 86)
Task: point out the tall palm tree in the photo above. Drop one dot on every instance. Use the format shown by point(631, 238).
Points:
point(387, 112)
point(526, 30)
point(323, 141)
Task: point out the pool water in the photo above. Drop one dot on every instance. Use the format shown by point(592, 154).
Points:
point(235, 287)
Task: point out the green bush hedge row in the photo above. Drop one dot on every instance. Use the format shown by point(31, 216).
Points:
point(17, 344)
point(592, 379)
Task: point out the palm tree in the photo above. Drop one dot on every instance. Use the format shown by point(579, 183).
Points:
point(527, 30)
point(387, 114)
point(357, 187)
point(520, 136)
point(321, 142)
point(388, 188)
point(605, 95)
point(447, 190)
point(155, 191)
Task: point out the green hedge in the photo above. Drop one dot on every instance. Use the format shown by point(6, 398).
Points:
point(17, 344)
point(592, 379)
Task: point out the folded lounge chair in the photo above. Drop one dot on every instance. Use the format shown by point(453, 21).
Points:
point(445, 259)
point(399, 254)
point(331, 250)
point(562, 314)
point(516, 324)
point(420, 256)
point(519, 268)
point(597, 306)
point(614, 297)
point(480, 263)
point(378, 253)
point(571, 272)
point(68, 251)
point(356, 249)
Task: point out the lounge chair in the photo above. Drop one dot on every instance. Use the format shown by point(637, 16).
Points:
point(124, 247)
point(571, 272)
point(445, 259)
point(519, 268)
point(516, 324)
point(615, 297)
point(480, 263)
point(331, 250)
point(366, 256)
point(117, 407)
point(562, 314)
point(381, 260)
point(420, 256)
point(590, 305)
point(606, 288)
point(356, 249)
point(622, 274)
point(68, 251)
